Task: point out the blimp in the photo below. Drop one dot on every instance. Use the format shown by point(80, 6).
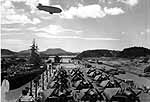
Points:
point(50, 9)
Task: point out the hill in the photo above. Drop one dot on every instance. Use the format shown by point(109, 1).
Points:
point(131, 52)
point(55, 51)
point(134, 52)
point(24, 52)
point(98, 53)
point(7, 52)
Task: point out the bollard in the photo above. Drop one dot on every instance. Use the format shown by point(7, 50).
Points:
point(31, 88)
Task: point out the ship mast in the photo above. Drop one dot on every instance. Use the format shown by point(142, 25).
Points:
point(33, 47)
point(35, 58)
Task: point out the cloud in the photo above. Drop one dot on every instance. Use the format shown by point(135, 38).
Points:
point(33, 3)
point(44, 2)
point(35, 21)
point(12, 41)
point(129, 2)
point(10, 29)
point(99, 38)
point(113, 11)
point(14, 44)
point(24, 11)
point(54, 29)
point(12, 15)
point(8, 4)
point(19, 18)
point(148, 30)
point(46, 35)
point(90, 11)
point(28, 13)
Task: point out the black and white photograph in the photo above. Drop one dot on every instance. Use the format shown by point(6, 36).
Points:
point(75, 50)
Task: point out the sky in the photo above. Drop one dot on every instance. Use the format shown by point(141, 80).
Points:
point(82, 25)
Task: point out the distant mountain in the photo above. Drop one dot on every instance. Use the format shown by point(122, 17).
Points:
point(134, 52)
point(98, 53)
point(7, 52)
point(24, 52)
point(126, 53)
point(55, 51)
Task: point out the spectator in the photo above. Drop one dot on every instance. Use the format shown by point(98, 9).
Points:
point(41, 96)
point(25, 98)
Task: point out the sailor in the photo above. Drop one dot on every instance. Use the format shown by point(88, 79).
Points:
point(25, 97)
point(27, 89)
point(40, 97)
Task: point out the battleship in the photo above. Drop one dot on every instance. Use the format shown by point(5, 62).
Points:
point(25, 72)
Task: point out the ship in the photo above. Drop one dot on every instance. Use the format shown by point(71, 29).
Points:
point(32, 69)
